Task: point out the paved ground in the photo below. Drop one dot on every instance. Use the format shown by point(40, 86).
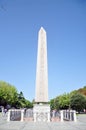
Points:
point(17, 125)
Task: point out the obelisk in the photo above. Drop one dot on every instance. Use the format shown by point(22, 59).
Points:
point(41, 109)
point(42, 69)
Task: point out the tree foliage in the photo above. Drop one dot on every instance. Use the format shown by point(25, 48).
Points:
point(60, 102)
point(52, 104)
point(82, 90)
point(78, 102)
point(8, 93)
point(73, 100)
point(22, 102)
point(10, 97)
point(64, 101)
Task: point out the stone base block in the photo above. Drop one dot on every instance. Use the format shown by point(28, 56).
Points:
point(41, 113)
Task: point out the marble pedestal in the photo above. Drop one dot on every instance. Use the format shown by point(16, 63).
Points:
point(41, 113)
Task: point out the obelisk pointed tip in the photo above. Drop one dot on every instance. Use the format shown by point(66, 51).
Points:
point(42, 29)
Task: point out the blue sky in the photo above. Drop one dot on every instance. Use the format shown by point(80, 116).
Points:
point(65, 24)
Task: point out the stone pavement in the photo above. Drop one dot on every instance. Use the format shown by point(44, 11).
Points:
point(66, 125)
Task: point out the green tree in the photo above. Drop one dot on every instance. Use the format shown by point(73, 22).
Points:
point(22, 102)
point(64, 101)
point(28, 104)
point(78, 102)
point(60, 102)
point(8, 94)
point(52, 104)
point(56, 103)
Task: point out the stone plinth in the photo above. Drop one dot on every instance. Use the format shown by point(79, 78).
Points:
point(41, 113)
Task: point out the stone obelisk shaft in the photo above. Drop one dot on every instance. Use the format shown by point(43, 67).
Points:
point(42, 69)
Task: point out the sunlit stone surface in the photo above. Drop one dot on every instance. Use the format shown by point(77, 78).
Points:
point(42, 70)
point(41, 109)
